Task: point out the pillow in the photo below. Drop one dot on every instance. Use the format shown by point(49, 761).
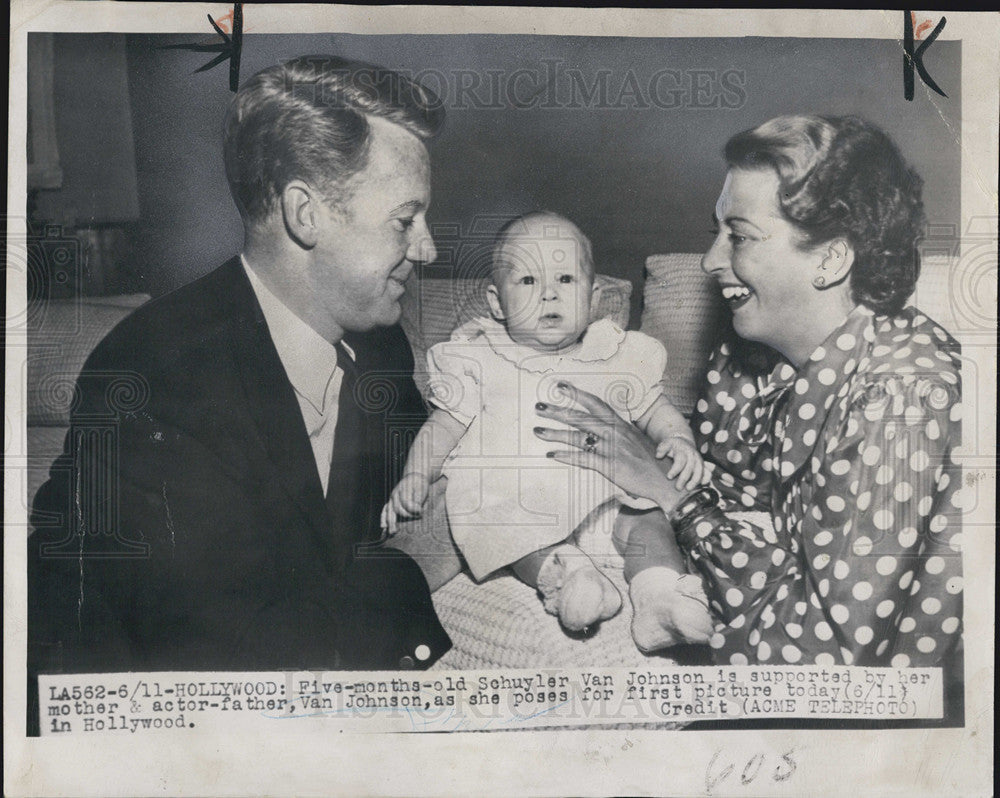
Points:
point(61, 335)
point(683, 310)
point(936, 291)
point(433, 308)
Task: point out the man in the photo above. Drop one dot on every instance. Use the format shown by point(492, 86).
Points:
point(224, 518)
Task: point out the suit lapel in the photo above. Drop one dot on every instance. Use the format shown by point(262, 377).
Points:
point(271, 402)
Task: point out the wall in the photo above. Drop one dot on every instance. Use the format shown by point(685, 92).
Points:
point(93, 127)
point(638, 179)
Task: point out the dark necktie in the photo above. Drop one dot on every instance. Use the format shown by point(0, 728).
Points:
point(346, 482)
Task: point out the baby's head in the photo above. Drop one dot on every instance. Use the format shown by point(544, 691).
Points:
point(542, 281)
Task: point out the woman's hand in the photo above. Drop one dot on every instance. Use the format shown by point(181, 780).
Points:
point(605, 442)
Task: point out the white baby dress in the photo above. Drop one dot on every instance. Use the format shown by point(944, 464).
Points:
point(505, 498)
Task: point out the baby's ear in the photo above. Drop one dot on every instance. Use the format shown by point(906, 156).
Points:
point(493, 298)
point(595, 299)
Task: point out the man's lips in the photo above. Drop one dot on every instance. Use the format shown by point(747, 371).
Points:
point(400, 276)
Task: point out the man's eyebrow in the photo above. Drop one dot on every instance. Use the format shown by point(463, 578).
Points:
point(411, 205)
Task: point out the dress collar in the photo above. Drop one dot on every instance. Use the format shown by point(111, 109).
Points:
point(791, 401)
point(601, 341)
point(309, 359)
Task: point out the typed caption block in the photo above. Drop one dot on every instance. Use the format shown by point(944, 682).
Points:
point(376, 701)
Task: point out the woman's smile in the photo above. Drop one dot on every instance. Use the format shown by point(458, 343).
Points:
point(736, 295)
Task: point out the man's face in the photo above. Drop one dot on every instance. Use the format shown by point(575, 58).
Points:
point(367, 245)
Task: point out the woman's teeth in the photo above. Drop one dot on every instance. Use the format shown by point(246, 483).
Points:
point(731, 292)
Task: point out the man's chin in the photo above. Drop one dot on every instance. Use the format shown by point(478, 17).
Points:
point(385, 318)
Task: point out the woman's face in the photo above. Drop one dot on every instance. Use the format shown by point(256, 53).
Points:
point(765, 272)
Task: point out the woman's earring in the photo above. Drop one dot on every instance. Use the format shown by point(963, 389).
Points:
point(820, 281)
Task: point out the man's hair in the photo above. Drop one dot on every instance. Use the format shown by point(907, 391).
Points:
point(308, 119)
point(519, 226)
point(844, 177)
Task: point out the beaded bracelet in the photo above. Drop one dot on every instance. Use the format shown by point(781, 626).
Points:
point(693, 506)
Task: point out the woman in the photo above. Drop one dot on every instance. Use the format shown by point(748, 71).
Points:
point(840, 428)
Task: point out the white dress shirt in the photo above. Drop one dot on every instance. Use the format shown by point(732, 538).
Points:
point(310, 361)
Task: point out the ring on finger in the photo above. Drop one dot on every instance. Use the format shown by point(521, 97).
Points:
point(590, 443)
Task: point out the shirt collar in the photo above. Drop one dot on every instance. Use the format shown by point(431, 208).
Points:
point(309, 359)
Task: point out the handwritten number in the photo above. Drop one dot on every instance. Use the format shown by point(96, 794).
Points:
point(710, 782)
point(747, 777)
point(785, 775)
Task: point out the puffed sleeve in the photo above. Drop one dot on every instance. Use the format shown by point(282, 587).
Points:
point(455, 379)
point(871, 572)
point(645, 358)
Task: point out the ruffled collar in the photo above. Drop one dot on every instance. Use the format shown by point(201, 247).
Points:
point(601, 341)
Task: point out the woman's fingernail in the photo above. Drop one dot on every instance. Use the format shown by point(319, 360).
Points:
point(541, 406)
point(550, 454)
point(538, 430)
point(561, 385)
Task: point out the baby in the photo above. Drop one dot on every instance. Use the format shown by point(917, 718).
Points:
point(507, 503)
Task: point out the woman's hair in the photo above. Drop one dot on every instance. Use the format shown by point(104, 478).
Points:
point(844, 177)
point(307, 119)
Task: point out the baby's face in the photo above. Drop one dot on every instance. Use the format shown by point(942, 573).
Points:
point(542, 285)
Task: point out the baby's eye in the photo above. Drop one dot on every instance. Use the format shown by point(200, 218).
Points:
point(565, 278)
point(527, 280)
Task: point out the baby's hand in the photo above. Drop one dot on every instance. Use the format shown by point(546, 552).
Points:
point(688, 467)
point(406, 501)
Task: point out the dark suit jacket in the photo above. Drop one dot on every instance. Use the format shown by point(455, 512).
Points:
point(184, 526)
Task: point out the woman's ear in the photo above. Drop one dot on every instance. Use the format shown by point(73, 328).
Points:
point(836, 264)
point(298, 210)
point(493, 298)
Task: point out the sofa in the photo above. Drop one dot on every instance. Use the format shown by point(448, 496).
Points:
point(500, 622)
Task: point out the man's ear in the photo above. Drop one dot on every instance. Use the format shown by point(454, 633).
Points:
point(836, 264)
point(299, 211)
point(493, 298)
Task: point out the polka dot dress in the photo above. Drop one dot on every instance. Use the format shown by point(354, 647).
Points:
point(851, 455)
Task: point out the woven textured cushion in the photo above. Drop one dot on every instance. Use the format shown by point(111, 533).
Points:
point(501, 623)
point(934, 294)
point(432, 309)
point(61, 335)
point(682, 309)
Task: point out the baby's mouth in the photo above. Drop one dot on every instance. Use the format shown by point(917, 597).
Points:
point(736, 295)
point(550, 318)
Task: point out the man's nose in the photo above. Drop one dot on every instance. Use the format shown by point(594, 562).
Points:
point(421, 247)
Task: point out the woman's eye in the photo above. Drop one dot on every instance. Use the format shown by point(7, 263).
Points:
point(403, 224)
point(527, 280)
point(565, 278)
point(737, 239)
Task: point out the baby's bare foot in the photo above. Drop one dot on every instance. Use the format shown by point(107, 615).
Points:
point(668, 608)
point(575, 590)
